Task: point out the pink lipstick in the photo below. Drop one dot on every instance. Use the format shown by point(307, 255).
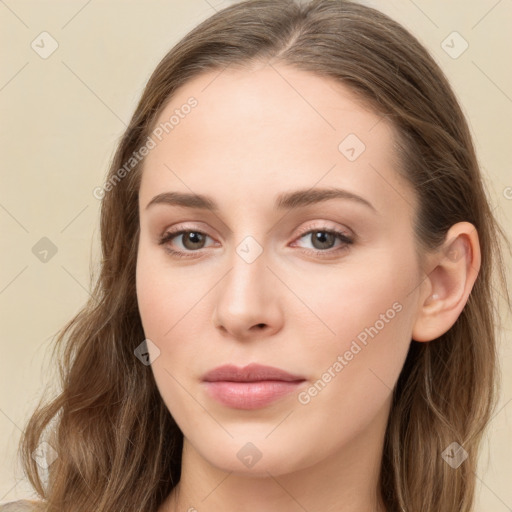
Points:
point(251, 387)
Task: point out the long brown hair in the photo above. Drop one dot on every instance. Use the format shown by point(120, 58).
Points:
point(118, 446)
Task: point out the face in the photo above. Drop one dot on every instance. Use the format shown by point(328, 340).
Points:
point(323, 287)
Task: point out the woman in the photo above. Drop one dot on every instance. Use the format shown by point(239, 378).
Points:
point(295, 309)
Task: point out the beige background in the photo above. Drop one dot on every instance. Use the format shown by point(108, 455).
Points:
point(61, 118)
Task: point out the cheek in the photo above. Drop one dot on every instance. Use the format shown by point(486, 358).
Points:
point(163, 294)
point(157, 296)
point(149, 293)
point(161, 306)
point(365, 316)
point(356, 367)
point(173, 308)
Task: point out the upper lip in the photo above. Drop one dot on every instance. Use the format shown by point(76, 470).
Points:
point(251, 373)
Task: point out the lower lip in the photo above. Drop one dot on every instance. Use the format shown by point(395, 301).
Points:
point(250, 395)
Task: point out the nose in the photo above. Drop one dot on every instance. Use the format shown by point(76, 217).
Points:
point(248, 299)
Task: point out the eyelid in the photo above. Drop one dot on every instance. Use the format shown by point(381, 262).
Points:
point(171, 233)
point(324, 227)
point(311, 225)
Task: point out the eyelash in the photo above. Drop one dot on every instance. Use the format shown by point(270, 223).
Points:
point(346, 241)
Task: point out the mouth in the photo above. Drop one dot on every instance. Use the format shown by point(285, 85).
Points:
point(251, 387)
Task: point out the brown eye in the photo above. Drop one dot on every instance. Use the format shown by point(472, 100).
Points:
point(193, 240)
point(322, 240)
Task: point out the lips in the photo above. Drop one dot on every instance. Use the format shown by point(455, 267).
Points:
point(251, 387)
point(250, 373)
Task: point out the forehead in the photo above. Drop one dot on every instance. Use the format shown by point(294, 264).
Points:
point(272, 128)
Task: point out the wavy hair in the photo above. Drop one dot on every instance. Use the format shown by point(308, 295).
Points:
point(116, 441)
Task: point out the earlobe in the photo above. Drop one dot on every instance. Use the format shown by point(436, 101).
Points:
point(448, 283)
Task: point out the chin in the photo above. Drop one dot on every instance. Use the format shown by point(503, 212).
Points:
point(257, 458)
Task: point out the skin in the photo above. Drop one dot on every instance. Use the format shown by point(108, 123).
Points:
point(254, 134)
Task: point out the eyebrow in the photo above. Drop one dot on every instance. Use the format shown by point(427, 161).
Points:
point(286, 200)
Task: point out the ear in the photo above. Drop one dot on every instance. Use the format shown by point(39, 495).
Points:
point(451, 273)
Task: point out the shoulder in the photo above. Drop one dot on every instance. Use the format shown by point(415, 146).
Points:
point(21, 506)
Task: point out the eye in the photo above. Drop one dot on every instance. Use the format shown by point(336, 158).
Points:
point(323, 240)
point(192, 240)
